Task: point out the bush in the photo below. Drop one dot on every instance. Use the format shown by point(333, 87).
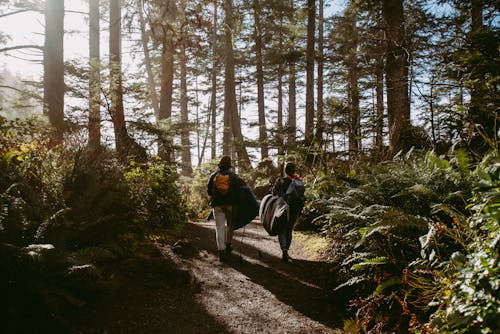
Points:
point(155, 194)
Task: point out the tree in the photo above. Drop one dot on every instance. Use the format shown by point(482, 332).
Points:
point(53, 82)
point(310, 55)
point(353, 95)
point(147, 60)
point(232, 124)
point(320, 58)
point(260, 79)
point(94, 76)
point(187, 168)
point(169, 11)
point(292, 85)
point(116, 89)
point(213, 74)
point(396, 70)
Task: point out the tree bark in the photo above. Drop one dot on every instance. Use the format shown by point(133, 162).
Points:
point(187, 168)
point(213, 98)
point(94, 76)
point(165, 150)
point(230, 106)
point(379, 91)
point(264, 152)
point(311, 28)
point(353, 90)
point(116, 88)
point(292, 92)
point(320, 117)
point(147, 61)
point(396, 69)
point(53, 83)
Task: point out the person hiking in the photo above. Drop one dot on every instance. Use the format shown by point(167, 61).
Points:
point(294, 196)
point(221, 188)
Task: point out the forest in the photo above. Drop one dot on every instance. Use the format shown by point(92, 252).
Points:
point(389, 108)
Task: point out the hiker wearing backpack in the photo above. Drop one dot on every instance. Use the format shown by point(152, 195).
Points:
point(291, 188)
point(221, 188)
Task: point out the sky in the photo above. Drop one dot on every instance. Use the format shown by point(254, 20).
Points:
point(28, 28)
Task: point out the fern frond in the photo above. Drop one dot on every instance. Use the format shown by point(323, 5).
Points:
point(369, 263)
point(353, 281)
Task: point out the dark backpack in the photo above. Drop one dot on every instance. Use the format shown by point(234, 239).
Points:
point(295, 195)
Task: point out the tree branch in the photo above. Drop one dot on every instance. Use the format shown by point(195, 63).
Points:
point(17, 47)
point(14, 13)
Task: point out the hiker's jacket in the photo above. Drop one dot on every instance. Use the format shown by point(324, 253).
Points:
point(281, 185)
point(216, 198)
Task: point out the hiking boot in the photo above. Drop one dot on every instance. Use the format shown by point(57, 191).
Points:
point(228, 249)
point(222, 255)
point(285, 258)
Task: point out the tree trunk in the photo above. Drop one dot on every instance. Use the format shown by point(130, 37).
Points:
point(53, 83)
point(165, 150)
point(116, 89)
point(292, 92)
point(353, 90)
point(187, 168)
point(396, 69)
point(213, 98)
point(379, 91)
point(311, 23)
point(230, 106)
point(94, 76)
point(147, 61)
point(260, 82)
point(320, 120)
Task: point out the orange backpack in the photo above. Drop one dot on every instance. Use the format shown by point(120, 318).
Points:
point(222, 183)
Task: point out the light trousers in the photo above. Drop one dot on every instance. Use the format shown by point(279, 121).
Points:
point(223, 225)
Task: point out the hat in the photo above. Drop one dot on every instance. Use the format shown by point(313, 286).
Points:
point(290, 168)
point(225, 162)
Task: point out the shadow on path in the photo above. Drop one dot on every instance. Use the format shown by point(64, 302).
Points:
point(298, 284)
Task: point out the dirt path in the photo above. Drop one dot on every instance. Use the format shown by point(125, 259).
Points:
point(251, 292)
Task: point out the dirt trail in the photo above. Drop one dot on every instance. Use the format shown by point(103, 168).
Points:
point(253, 291)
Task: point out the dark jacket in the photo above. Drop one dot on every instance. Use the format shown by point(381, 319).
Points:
point(217, 199)
point(281, 185)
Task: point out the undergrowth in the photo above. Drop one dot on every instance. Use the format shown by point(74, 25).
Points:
point(74, 224)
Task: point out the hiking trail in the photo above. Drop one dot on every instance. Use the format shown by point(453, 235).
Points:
point(253, 291)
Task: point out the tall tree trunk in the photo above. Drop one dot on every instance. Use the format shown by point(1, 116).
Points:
point(94, 76)
point(479, 112)
point(147, 60)
point(311, 28)
point(230, 106)
point(379, 91)
point(213, 98)
point(260, 81)
point(116, 88)
point(187, 168)
point(320, 118)
point(292, 106)
point(353, 90)
point(53, 60)
point(396, 69)
point(165, 150)
point(292, 92)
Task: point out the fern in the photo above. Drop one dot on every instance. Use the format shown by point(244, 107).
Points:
point(369, 263)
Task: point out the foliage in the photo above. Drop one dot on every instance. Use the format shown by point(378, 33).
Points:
point(470, 285)
point(375, 219)
point(155, 194)
point(72, 222)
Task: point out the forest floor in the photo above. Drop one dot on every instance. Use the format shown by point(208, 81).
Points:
point(252, 291)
